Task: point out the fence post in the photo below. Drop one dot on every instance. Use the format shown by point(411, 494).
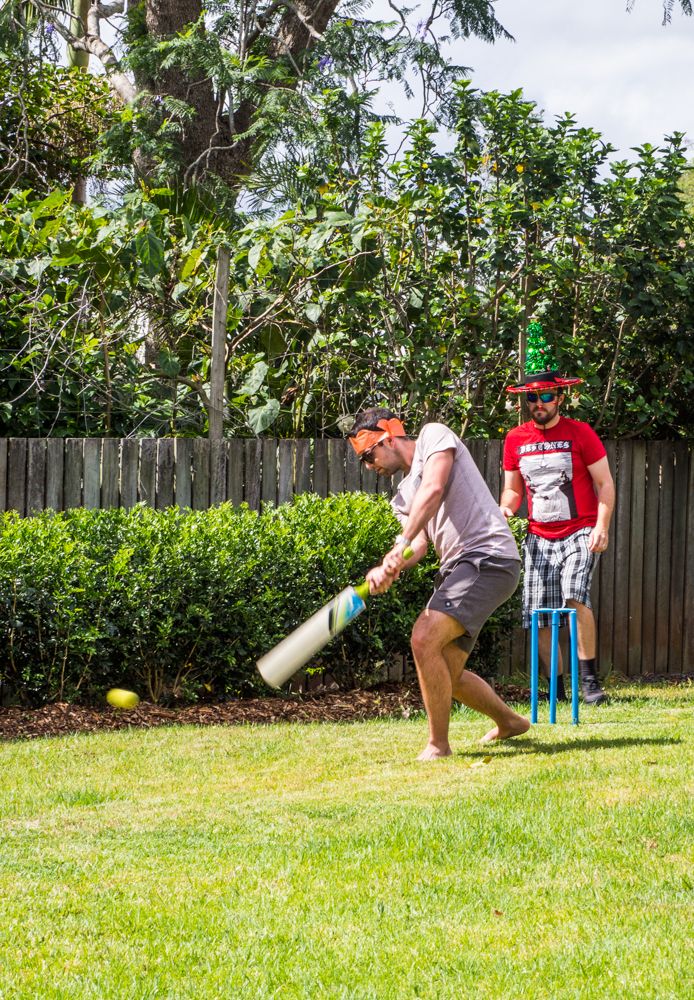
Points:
point(215, 412)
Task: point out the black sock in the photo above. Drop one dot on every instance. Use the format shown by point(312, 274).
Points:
point(561, 693)
point(588, 668)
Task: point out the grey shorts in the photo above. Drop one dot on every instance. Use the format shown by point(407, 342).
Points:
point(474, 587)
point(556, 570)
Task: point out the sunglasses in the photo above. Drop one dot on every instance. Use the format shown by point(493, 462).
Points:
point(544, 397)
point(367, 456)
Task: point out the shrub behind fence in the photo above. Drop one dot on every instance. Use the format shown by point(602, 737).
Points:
point(643, 591)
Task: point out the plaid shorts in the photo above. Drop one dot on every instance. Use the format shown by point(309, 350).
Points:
point(556, 570)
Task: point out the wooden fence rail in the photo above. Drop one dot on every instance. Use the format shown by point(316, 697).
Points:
point(643, 591)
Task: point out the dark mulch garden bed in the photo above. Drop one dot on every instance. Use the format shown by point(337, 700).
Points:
point(387, 700)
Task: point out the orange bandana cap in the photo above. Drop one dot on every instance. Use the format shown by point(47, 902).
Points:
point(364, 439)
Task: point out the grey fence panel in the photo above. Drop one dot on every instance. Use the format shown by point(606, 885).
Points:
point(302, 466)
point(336, 465)
point(681, 458)
point(606, 564)
point(36, 475)
point(235, 472)
point(129, 459)
point(320, 467)
point(352, 470)
point(644, 588)
point(201, 474)
point(492, 468)
point(91, 483)
point(688, 614)
point(72, 482)
point(218, 472)
point(253, 450)
point(17, 474)
point(166, 462)
point(55, 461)
point(269, 475)
point(147, 477)
point(183, 490)
point(650, 552)
point(661, 598)
point(637, 516)
point(285, 488)
point(110, 468)
point(620, 636)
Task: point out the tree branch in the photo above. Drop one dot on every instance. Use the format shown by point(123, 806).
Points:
point(92, 43)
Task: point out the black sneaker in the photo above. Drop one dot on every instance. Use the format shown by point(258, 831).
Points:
point(592, 693)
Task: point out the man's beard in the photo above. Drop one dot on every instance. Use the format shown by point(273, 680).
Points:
point(545, 417)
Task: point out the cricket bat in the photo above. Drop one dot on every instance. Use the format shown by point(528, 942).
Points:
point(292, 653)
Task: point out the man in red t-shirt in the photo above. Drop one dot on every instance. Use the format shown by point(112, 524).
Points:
point(562, 465)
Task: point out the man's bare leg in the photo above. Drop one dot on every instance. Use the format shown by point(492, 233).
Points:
point(441, 671)
point(585, 622)
point(431, 633)
point(591, 690)
point(474, 692)
point(544, 648)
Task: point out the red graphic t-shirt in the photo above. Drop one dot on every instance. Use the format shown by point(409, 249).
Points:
point(553, 464)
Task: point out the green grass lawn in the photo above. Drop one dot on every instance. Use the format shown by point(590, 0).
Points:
point(323, 861)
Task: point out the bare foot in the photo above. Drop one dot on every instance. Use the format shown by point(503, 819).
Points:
point(431, 752)
point(515, 727)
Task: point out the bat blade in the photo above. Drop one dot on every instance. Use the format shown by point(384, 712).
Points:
point(296, 650)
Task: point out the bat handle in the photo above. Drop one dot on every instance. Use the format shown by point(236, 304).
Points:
point(363, 588)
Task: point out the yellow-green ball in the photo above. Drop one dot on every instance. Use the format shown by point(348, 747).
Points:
point(122, 699)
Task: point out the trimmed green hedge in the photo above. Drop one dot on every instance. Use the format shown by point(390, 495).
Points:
point(181, 603)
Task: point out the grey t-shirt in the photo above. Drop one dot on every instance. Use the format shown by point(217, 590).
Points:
point(469, 519)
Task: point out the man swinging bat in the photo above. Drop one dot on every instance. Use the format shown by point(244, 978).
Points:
point(443, 499)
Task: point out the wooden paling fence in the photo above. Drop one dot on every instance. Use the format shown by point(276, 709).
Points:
point(643, 590)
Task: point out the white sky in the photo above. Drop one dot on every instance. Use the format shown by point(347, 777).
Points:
point(622, 74)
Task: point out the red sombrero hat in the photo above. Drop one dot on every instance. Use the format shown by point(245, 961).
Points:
point(540, 367)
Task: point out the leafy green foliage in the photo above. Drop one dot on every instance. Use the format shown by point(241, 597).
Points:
point(411, 284)
point(408, 283)
point(687, 186)
point(210, 91)
point(104, 326)
point(51, 121)
point(179, 603)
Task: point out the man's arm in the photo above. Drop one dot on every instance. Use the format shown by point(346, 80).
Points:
point(604, 489)
point(512, 495)
point(431, 491)
point(427, 500)
point(381, 578)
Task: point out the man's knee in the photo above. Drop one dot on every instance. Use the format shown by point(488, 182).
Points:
point(422, 637)
point(430, 632)
point(582, 610)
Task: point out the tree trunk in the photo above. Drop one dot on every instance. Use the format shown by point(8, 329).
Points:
point(79, 57)
point(209, 142)
point(205, 130)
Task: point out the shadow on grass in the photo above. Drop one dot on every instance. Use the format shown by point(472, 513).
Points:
point(533, 746)
point(677, 696)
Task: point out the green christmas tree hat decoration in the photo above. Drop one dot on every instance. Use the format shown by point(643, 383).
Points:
point(538, 353)
point(540, 364)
